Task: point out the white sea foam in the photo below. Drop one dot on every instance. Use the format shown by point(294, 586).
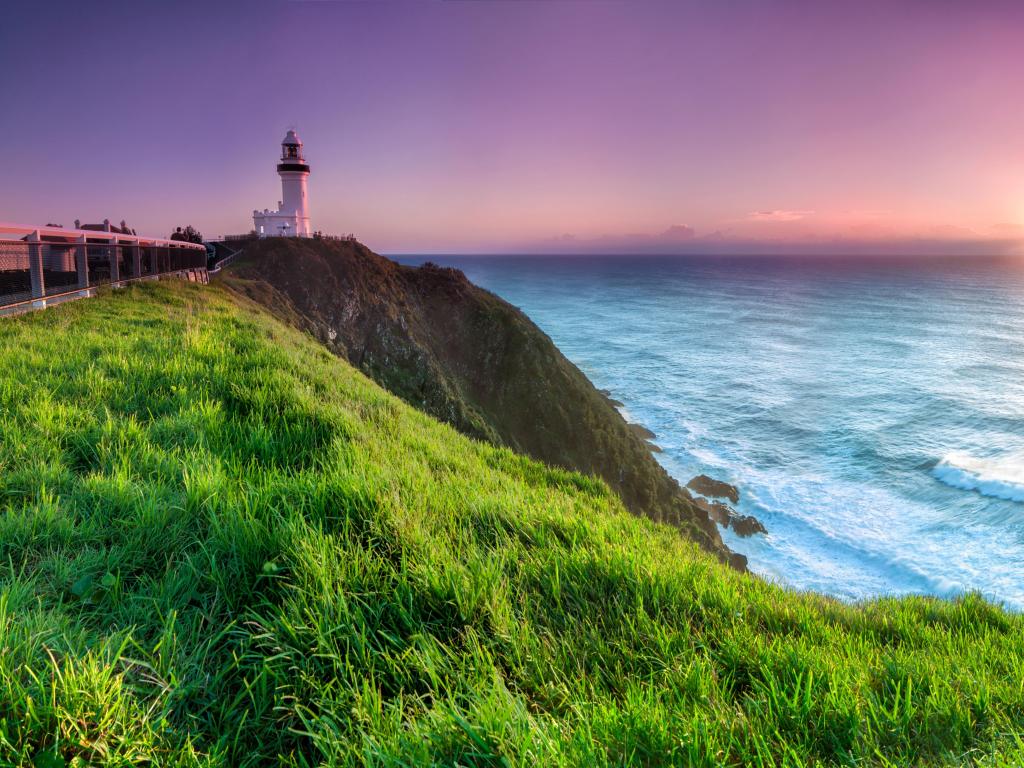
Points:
point(1001, 477)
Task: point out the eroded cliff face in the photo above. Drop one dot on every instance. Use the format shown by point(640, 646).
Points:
point(468, 358)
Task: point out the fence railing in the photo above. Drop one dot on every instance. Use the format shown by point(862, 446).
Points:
point(51, 263)
point(224, 254)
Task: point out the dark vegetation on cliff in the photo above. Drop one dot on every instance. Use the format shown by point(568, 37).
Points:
point(220, 545)
point(469, 358)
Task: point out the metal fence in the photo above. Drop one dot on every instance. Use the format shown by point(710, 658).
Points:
point(222, 257)
point(42, 267)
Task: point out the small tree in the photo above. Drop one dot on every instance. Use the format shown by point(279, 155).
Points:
point(189, 235)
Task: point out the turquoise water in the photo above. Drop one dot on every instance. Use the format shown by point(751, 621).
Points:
point(871, 414)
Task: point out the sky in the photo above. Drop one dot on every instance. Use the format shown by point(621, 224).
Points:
point(497, 126)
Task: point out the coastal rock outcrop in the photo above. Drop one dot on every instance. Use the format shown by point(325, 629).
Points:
point(717, 511)
point(647, 436)
point(727, 517)
point(708, 486)
point(746, 525)
point(608, 396)
point(642, 432)
point(469, 358)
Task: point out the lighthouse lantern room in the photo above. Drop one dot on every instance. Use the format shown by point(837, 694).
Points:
point(291, 219)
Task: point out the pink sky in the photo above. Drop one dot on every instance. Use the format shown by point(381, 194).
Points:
point(490, 126)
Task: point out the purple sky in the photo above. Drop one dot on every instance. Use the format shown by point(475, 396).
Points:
point(471, 125)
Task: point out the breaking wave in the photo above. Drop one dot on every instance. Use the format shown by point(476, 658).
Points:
point(1000, 477)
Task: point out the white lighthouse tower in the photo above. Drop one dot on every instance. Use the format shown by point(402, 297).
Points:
point(291, 219)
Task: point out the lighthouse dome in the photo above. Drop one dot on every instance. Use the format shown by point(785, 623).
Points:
point(291, 153)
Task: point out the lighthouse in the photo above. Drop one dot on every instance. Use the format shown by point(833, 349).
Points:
point(291, 219)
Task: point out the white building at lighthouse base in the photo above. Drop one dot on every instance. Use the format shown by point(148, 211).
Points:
point(280, 223)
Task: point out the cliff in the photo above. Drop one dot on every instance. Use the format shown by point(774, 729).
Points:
point(469, 358)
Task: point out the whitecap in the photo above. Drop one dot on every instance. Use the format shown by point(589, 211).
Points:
point(1001, 477)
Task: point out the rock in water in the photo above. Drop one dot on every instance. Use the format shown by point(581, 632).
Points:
point(708, 486)
point(726, 516)
point(747, 525)
point(717, 511)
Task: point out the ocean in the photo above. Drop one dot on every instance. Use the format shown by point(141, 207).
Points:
point(871, 412)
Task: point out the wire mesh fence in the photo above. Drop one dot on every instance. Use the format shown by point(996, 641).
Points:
point(45, 268)
point(15, 278)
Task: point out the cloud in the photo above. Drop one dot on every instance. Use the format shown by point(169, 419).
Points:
point(678, 232)
point(780, 215)
point(718, 235)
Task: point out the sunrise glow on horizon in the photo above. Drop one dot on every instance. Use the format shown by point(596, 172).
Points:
point(503, 126)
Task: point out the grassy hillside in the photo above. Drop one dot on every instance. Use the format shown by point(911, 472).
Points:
point(468, 358)
point(220, 545)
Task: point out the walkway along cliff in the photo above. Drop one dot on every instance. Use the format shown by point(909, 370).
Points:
point(469, 358)
point(40, 266)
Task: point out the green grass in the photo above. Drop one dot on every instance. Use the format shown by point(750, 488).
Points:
point(219, 545)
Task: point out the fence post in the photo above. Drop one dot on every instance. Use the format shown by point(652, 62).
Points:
point(82, 262)
point(35, 266)
point(136, 260)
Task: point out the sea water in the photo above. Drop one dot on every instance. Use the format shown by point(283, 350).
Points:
point(871, 412)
